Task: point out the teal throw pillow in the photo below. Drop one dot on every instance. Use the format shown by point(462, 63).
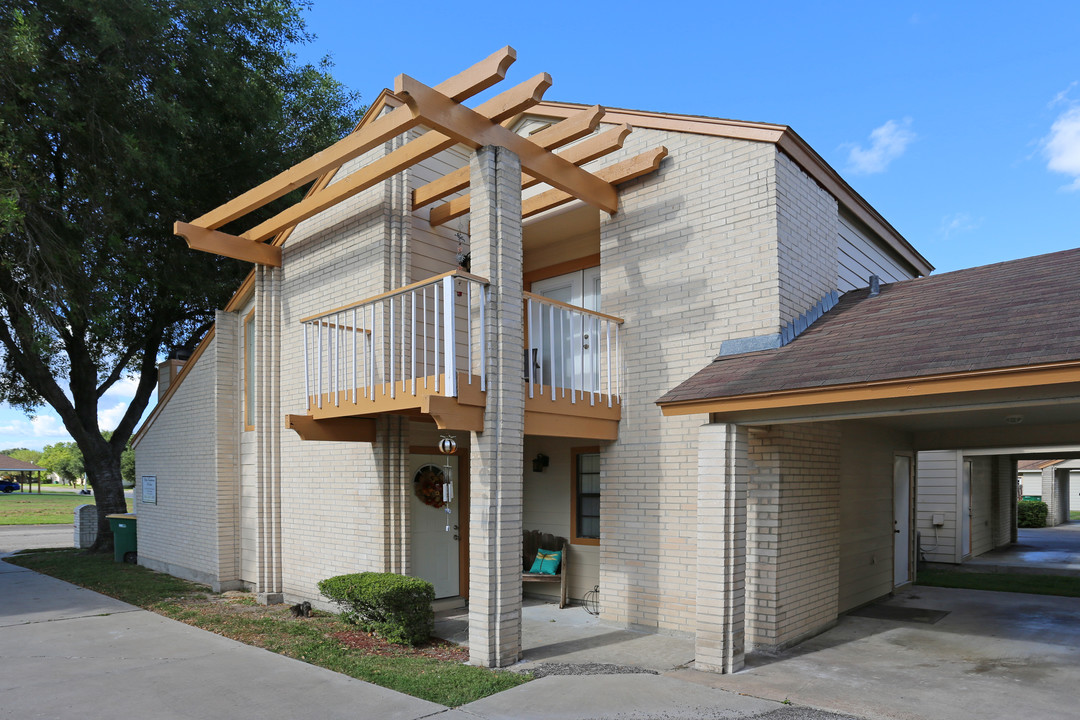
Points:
point(547, 562)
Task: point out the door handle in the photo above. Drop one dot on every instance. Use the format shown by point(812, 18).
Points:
point(456, 537)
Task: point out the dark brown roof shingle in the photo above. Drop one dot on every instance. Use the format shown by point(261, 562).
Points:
point(10, 463)
point(1016, 313)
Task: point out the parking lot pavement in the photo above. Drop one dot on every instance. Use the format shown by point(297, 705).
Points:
point(22, 537)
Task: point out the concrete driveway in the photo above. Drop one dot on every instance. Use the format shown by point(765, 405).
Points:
point(72, 653)
point(994, 655)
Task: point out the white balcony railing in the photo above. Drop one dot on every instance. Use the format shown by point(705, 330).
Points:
point(572, 349)
point(412, 340)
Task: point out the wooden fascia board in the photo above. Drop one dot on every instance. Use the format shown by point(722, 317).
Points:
point(497, 109)
point(572, 128)
point(435, 110)
point(700, 125)
point(787, 139)
point(477, 78)
point(911, 387)
point(219, 243)
point(174, 385)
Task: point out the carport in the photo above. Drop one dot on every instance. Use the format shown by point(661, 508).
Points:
point(806, 484)
point(23, 472)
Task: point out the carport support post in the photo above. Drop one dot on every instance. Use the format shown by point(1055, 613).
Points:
point(497, 454)
point(723, 470)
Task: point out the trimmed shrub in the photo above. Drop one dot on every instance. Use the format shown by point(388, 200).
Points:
point(395, 607)
point(1031, 514)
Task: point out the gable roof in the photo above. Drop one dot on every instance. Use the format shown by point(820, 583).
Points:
point(984, 322)
point(786, 139)
point(1023, 465)
point(9, 463)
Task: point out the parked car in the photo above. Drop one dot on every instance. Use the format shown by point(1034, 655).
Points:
point(9, 486)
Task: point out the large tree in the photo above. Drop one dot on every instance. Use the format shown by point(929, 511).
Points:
point(118, 117)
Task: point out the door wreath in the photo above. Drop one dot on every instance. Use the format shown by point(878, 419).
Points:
point(428, 485)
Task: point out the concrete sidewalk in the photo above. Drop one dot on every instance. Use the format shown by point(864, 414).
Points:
point(70, 652)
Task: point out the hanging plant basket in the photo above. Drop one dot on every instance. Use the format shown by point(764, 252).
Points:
point(428, 485)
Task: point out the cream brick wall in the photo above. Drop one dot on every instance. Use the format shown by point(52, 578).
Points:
point(687, 262)
point(792, 533)
point(721, 607)
point(192, 450)
point(729, 239)
point(807, 229)
point(333, 497)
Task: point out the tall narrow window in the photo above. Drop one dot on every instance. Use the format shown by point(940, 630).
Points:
point(249, 371)
point(585, 498)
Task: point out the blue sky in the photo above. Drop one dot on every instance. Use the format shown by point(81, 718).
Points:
point(959, 122)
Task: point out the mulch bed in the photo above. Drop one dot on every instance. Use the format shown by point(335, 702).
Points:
point(435, 648)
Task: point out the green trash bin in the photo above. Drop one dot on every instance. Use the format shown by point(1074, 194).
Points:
point(125, 539)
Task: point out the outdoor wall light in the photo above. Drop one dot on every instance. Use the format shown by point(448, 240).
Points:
point(540, 462)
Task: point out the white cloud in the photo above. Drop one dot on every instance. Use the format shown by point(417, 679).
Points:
point(887, 143)
point(110, 417)
point(18, 431)
point(124, 388)
point(1063, 96)
point(956, 223)
point(1062, 146)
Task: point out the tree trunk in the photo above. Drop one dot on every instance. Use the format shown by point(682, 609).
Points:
point(103, 473)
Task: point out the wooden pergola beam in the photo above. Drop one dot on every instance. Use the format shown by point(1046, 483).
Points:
point(436, 110)
point(219, 243)
point(507, 104)
point(572, 128)
point(591, 149)
point(616, 174)
point(477, 78)
point(588, 150)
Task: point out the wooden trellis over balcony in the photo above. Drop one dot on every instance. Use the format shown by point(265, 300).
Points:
point(547, 156)
point(439, 108)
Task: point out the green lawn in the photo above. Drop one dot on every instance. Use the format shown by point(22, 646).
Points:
point(435, 673)
point(1002, 582)
point(45, 509)
point(1074, 515)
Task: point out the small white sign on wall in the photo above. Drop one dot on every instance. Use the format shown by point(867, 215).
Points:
point(149, 489)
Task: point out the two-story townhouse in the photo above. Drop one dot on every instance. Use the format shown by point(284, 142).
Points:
point(527, 277)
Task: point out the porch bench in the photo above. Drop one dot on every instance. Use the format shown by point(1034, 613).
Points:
point(532, 542)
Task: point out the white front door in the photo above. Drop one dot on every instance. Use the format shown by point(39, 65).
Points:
point(435, 533)
point(567, 350)
point(901, 519)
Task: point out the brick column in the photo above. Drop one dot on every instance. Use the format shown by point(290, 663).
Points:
point(268, 424)
point(497, 453)
point(721, 543)
point(228, 398)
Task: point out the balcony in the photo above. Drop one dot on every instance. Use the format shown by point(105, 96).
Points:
point(420, 351)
